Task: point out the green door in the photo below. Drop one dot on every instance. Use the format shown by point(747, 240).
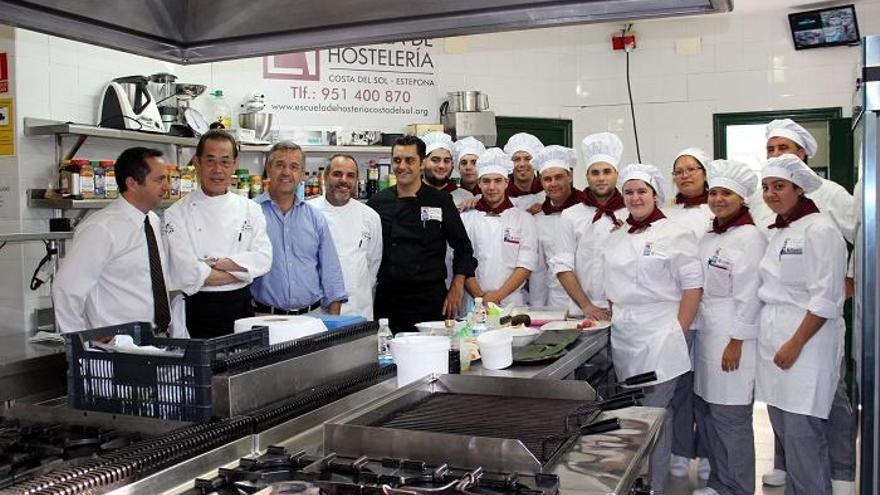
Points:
point(549, 131)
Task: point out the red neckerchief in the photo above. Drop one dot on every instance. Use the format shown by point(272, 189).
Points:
point(449, 187)
point(637, 225)
point(515, 192)
point(474, 190)
point(741, 218)
point(574, 198)
point(614, 203)
point(690, 202)
point(484, 207)
point(802, 208)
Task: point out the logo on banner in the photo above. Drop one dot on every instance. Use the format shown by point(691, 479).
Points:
point(300, 66)
point(4, 74)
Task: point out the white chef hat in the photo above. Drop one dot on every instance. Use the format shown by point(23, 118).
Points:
point(555, 156)
point(494, 161)
point(523, 142)
point(698, 154)
point(646, 173)
point(467, 146)
point(790, 129)
point(733, 175)
point(436, 140)
point(792, 168)
point(602, 147)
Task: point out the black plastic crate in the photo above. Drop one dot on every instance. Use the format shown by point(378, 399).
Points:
point(167, 387)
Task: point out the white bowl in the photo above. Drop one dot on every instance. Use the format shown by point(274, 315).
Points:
point(496, 349)
point(436, 327)
point(523, 336)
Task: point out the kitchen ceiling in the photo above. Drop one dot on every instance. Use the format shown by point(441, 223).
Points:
point(194, 31)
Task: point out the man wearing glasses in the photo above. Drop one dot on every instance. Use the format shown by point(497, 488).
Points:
point(217, 242)
point(306, 276)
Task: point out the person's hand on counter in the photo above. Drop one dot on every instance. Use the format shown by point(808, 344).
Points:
point(596, 313)
point(452, 303)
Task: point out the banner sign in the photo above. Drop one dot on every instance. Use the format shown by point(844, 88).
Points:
point(379, 87)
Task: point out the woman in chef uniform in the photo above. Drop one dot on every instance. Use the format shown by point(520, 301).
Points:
point(690, 211)
point(653, 283)
point(800, 346)
point(726, 346)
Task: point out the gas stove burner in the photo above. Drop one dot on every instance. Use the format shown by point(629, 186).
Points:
point(278, 472)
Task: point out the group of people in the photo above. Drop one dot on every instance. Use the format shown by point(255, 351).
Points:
point(733, 293)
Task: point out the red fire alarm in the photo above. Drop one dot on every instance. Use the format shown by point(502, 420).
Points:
point(624, 41)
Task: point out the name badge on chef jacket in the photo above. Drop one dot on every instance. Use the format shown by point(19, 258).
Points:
point(792, 247)
point(511, 236)
point(648, 250)
point(431, 213)
point(719, 262)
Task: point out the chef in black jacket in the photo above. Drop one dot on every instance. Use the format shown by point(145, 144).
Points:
point(417, 223)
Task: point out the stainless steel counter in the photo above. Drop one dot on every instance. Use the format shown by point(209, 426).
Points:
point(588, 345)
point(28, 369)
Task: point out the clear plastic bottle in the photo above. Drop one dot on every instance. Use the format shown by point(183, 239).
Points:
point(384, 338)
point(220, 109)
point(481, 318)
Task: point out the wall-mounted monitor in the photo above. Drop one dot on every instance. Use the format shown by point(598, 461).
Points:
point(832, 26)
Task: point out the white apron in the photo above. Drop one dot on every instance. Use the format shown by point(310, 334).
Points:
point(648, 338)
point(712, 383)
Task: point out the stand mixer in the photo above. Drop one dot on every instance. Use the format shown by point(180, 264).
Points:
point(173, 99)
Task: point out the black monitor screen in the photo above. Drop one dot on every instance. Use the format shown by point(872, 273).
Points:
point(825, 27)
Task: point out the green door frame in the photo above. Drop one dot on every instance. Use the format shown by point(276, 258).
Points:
point(561, 128)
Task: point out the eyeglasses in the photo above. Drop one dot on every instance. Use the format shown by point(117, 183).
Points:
point(212, 161)
point(686, 171)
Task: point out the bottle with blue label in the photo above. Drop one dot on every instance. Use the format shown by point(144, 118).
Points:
point(384, 338)
point(481, 318)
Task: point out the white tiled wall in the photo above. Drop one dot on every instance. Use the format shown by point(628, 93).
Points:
point(747, 63)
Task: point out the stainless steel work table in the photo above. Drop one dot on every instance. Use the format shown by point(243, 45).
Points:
point(29, 368)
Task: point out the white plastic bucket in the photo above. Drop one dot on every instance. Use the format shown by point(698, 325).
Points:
point(496, 349)
point(418, 356)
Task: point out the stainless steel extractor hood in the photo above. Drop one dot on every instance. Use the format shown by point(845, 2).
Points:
point(194, 31)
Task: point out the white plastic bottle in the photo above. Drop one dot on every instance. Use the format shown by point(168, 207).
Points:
point(220, 109)
point(384, 340)
point(481, 318)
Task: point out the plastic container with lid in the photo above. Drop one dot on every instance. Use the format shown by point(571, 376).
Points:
point(111, 189)
point(220, 109)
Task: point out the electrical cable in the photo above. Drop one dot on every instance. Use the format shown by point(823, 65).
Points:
point(36, 280)
point(632, 108)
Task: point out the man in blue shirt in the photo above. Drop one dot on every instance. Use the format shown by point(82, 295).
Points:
point(305, 274)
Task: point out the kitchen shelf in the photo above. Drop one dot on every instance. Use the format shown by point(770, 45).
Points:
point(35, 236)
point(43, 127)
point(79, 204)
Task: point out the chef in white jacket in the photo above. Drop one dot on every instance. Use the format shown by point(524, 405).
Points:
point(726, 345)
point(357, 234)
point(689, 209)
point(585, 227)
point(524, 189)
point(555, 164)
point(802, 330)
point(787, 136)
point(217, 242)
point(653, 282)
point(503, 237)
point(467, 151)
point(439, 165)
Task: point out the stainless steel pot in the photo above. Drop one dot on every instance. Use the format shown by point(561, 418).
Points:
point(468, 101)
point(259, 122)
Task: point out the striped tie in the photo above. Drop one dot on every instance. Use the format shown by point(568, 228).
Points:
point(161, 312)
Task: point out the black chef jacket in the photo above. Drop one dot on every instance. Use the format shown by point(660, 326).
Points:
point(411, 283)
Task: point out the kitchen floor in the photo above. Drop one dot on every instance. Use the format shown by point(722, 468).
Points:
point(763, 460)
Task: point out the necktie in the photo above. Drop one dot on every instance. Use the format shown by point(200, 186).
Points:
point(161, 311)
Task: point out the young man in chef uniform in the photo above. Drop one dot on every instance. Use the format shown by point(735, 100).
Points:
point(653, 282)
point(555, 164)
point(217, 242)
point(466, 152)
point(356, 231)
point(585, 227)
point(800, 347)
point(524, 189)
point(503, 237)
point(787, 136)
point(439, 166)
point(725, 348)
